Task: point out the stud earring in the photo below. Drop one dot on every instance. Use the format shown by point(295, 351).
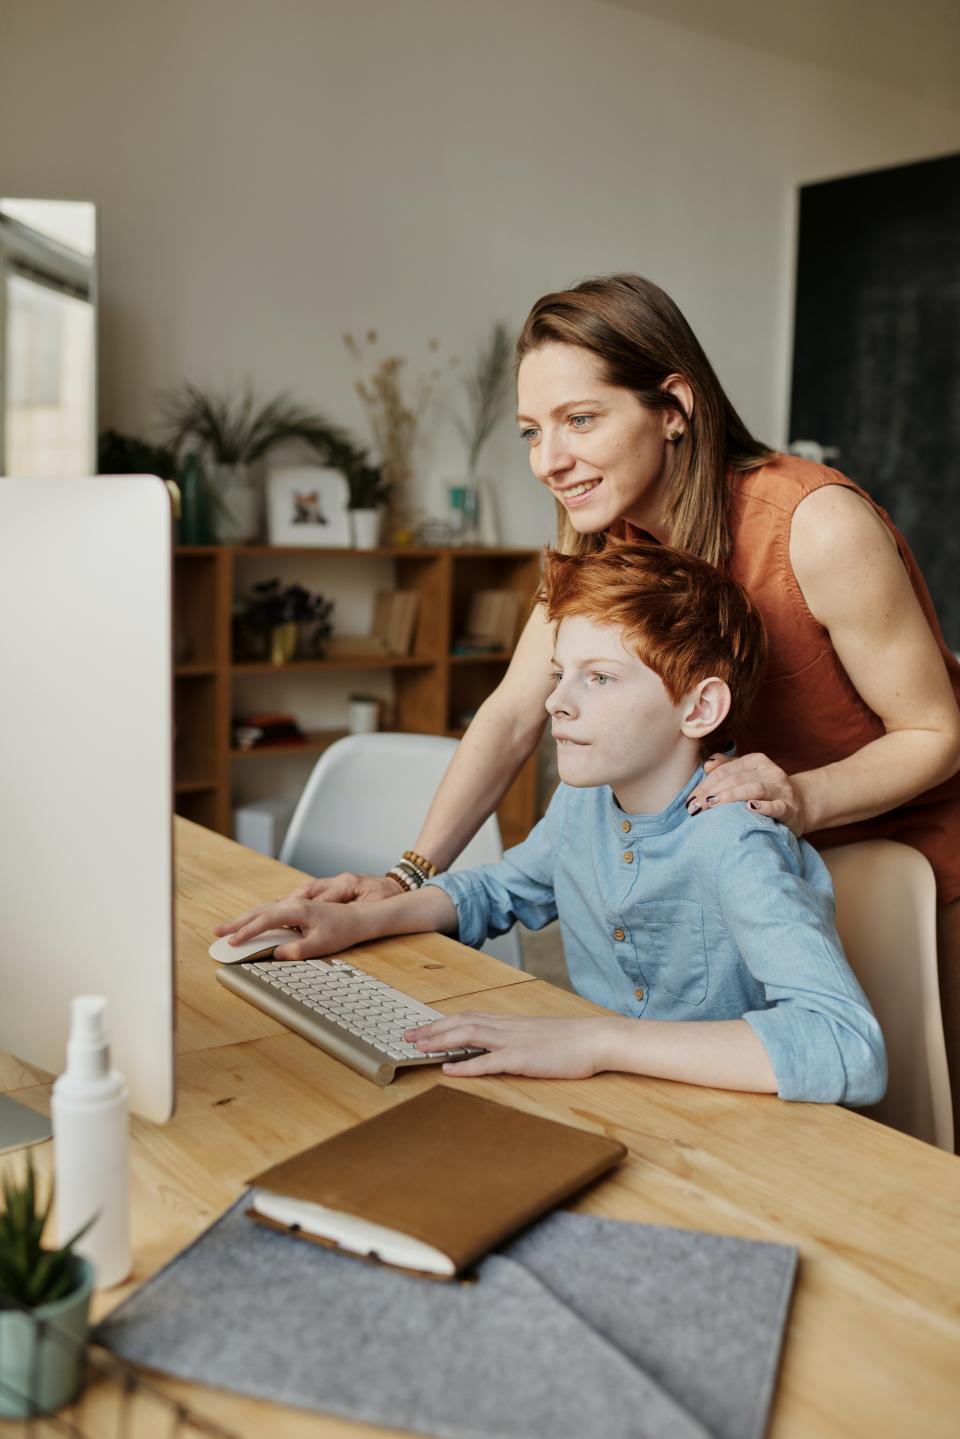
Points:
point(675, 435)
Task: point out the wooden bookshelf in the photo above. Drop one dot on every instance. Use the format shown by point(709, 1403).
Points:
point(433, 689)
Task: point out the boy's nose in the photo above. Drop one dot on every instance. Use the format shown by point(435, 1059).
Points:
point(559, 702)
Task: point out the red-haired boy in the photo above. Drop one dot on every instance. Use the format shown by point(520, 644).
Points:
point(712, 934)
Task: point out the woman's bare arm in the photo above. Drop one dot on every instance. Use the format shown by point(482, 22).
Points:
point(855, 583)
point(503, 734)
point(501, 738)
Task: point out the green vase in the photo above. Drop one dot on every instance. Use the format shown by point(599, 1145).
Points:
point(42, 1349)
point(195, 526)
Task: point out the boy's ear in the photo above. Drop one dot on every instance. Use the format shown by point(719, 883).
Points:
point(705, 708)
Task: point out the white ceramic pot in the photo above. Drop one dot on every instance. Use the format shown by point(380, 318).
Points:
point(366, 528)
point(235, 504)
point(364, 714)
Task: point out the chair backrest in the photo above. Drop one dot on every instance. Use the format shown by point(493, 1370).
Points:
point(364, 803)
point(886, 915)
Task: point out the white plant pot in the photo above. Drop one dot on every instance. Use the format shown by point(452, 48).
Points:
point(366, 528)
point(236, 504)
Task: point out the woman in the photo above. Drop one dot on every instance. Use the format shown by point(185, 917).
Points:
point(856, 730)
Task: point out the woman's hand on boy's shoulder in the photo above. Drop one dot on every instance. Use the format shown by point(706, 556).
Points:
point(755, 780)
point(516, 1044)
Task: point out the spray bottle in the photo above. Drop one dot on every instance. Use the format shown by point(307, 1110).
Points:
point(90, 1145)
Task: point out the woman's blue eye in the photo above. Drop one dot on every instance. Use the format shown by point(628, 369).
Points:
point(556, 676)
point(600, 679)
point(528, 434)
point(575, 420)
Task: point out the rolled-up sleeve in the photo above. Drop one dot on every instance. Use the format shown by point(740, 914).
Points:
point(819, 1032)
point(491, 898)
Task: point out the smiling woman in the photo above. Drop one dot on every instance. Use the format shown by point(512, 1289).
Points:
point(855, 729)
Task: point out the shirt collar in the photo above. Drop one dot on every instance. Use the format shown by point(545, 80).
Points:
point(641, 825)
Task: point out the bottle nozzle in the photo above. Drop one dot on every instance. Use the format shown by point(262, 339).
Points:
point(88, 1050)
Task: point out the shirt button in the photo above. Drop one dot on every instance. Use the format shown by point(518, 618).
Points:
point(619, 934)
point(628, 856)
point(638, 993)
point(626, 826)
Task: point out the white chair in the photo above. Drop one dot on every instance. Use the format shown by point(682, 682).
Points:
point(364, 803)
point(886, 916)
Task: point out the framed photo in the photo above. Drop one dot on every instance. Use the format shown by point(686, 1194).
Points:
point(307, 506)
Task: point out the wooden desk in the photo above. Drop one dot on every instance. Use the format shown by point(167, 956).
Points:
point(873, 1344)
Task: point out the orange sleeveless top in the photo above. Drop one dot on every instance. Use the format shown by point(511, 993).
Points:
point(807, 713)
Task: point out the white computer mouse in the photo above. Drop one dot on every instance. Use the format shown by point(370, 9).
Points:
point(260, 948)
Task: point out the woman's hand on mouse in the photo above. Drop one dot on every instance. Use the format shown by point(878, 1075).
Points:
point(324, 928)
point(757, 781)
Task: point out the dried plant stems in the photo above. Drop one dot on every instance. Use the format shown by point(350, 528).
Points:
point(487, 388)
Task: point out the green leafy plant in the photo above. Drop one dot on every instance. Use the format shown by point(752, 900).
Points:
point(127, 455)
point(234, 429)
point(487, 387)
point(29, 1274)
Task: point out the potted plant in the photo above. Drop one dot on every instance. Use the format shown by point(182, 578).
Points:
point(278, 622)
point(44, 1305)
point(486, 388)
point(233, 431)
point(369, 491)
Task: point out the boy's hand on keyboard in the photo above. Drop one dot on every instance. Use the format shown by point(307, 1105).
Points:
point(540, 1048)
point(323, 928)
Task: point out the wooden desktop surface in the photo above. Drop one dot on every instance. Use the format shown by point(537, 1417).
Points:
point(873, 1337)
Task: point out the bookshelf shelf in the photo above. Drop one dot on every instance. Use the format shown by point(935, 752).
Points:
point(433, 689)
point(338, 662)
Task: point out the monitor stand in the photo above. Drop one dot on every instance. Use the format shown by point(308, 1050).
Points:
point(20, 1126)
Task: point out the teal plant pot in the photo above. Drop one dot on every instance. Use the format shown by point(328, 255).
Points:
point(41, 1351)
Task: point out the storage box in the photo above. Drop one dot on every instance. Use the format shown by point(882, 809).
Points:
point(262, 824)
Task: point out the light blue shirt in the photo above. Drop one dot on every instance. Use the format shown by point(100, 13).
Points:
point(721, 915)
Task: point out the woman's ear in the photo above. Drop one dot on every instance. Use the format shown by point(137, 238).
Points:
point(705, 708)
point(676, 419)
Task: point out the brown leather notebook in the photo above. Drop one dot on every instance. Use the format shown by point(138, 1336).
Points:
point(433, 1183)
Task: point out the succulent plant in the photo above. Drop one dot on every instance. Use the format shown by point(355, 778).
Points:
point(31, 1275)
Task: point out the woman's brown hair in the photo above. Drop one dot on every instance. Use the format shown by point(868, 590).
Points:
point(641, 338)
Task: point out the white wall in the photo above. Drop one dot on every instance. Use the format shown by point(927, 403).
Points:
point(270, 174)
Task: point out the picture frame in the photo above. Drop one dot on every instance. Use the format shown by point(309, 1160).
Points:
point(308, 505)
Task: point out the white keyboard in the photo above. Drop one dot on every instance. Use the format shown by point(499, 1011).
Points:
point(342, 1010)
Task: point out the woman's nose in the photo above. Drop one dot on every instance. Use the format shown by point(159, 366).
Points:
point(551, 456)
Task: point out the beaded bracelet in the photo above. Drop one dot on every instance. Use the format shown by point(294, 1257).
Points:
point(418, 875)
point(430, 870)
point(403, 882)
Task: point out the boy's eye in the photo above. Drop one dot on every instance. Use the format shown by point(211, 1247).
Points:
point(556, 676)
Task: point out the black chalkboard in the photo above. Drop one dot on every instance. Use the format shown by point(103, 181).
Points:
point(876, 367)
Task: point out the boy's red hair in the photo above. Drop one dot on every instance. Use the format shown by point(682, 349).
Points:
point(684, 619)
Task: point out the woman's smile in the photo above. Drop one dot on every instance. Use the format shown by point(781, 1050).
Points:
point(574, 495)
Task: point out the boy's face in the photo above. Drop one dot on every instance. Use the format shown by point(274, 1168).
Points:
point(612, 718)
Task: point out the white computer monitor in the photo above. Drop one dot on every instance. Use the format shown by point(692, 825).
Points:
point(86, 774)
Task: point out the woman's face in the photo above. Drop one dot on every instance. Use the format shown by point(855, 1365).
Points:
point(597, 449)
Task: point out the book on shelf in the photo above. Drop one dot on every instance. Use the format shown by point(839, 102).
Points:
point(491, 626)
point(395, 614)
